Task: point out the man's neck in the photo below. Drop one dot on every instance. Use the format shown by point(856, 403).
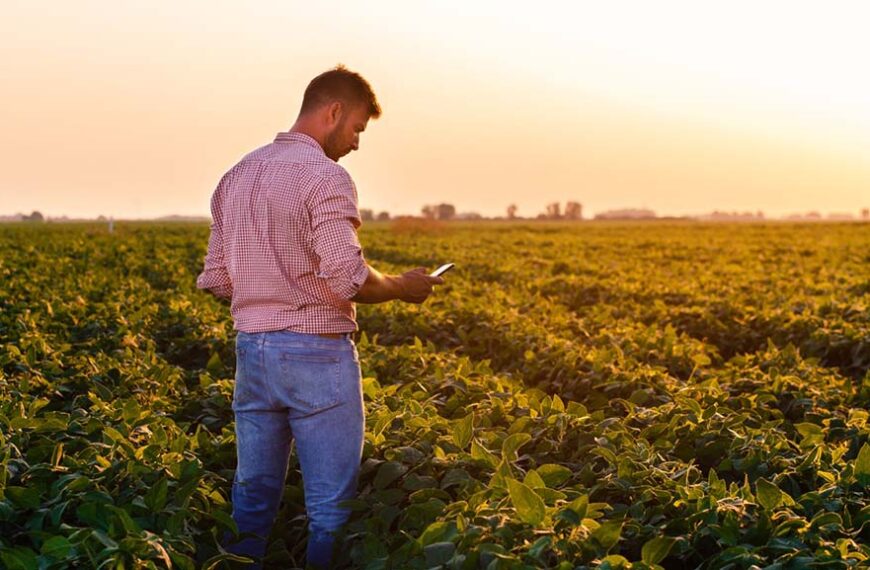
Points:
point(305, 128)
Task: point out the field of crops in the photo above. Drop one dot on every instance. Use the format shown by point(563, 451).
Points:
point(591, 395)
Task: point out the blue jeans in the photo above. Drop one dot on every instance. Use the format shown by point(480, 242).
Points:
point(303, 387)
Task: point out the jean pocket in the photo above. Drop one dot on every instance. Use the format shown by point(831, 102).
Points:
point(310, 381)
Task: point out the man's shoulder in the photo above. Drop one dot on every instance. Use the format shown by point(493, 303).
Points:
point(338, 173)
point(302, 158)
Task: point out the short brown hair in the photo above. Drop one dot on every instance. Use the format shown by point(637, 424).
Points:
point(340, 84)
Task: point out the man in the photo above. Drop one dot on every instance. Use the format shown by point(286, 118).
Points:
point(284, 249)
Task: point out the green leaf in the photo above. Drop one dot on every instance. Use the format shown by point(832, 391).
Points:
point(438, 553)
point(79, 483)
point(540, 546)
point(701, 360)
point(370, 387)
point(533, 480)
point(462, 431)
point(530, 507)
point(502, 471)
point(577, 410)
point(769, 496)
point(226, 521)
point(414, 482)
point(862, 465)
point(554, 475)
point(481, 453)
point(56, 547)
point(512, 443)
point(156, 496)
point(215, 561)
point(656, 549)
point(24, 497)
point(580, 505)
point(436, 532)
point(131, 411)
point(181, 561)
point(614, 562)
point(388, 472)
point(114, 434)
point(607, 454)
point(807, 429)
point(19, 558)
point(355, 505)
point(608, 534)
point(215, 365)
point(827, 519)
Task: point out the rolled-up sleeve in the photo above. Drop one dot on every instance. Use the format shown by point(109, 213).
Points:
point(334, 221)
point(215, 277)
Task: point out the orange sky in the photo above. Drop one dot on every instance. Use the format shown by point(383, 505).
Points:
point(135, 109)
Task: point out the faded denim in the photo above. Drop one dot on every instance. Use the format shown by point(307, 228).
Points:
point(303, 387)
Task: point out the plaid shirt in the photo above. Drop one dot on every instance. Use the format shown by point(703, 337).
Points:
point(283, 244)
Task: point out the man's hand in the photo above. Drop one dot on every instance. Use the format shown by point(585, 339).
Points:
point(416, 285)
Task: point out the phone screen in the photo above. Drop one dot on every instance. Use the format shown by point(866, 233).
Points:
point(442, 270)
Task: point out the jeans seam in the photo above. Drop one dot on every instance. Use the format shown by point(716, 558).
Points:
point(272, 399)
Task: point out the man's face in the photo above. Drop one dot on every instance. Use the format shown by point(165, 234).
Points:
point(345, 136)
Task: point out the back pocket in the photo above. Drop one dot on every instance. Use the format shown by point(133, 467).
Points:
point(310, 381)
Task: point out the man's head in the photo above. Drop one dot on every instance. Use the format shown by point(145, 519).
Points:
point(336, 108)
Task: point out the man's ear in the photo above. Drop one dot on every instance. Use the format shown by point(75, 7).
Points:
point(334, 112)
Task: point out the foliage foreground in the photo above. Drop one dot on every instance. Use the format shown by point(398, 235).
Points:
point(592, 395)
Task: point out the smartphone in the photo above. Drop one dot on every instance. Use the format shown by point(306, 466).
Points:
point(441, 270)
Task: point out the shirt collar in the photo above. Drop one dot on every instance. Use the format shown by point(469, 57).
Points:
point(293, 136)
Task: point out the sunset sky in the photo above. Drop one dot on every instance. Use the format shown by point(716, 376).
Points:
point(136, 109)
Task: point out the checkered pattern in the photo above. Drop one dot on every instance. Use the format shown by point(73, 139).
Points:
point(283, 244)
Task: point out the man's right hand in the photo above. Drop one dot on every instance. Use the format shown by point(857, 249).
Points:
point(417, 285)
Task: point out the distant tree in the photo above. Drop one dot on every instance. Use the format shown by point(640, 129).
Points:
point(512, 212)
point(445, 211)
point(366, 215)
point(628, 214)
point(34, 217)
point(573, 211)
point(865, 214)
point(438, 211)
point(383, 216)
point(469, 216)
point(554, 212)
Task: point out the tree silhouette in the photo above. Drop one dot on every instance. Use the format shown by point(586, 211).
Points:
point(554, 211)
point(573, 211)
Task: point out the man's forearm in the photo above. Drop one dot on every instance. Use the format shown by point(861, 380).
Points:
point(378, 288)
point(216, 281)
